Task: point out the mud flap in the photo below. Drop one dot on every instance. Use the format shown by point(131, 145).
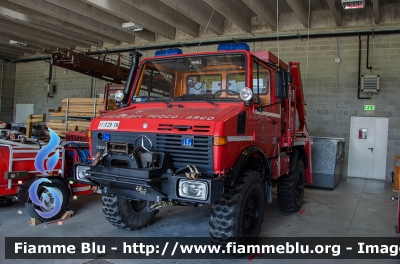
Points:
point(268, 191)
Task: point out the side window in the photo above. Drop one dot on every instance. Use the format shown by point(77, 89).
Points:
point(261, 83)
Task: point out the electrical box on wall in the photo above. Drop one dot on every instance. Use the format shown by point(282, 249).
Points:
point(50, 89)
point(370, 83)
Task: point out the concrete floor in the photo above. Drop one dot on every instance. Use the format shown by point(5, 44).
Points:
point(357, 207)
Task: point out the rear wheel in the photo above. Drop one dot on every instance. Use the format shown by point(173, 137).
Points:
point(238, 216)
point(128, 214)
point(6, 201)
point(291, 189)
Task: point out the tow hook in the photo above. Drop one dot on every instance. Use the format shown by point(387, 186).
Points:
point(141, 189)
point(163, 204)
point(194, 172)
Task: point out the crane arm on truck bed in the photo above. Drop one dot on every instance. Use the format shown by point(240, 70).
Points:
point(302, 130)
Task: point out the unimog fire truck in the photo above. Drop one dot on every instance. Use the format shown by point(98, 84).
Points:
point(220, 128)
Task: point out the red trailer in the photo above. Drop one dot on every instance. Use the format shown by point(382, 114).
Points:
point(17, 166)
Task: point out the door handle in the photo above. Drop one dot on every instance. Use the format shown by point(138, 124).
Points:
point(372, 149)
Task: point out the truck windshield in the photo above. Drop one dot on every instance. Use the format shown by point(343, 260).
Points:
point(192, 78)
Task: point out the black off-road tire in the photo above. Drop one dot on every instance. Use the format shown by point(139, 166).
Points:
point(291, 189)
point(6, 201)
point(128, 214)
point(62, 190)
point(238, 216)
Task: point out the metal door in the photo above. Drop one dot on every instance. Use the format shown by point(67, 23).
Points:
point(368, 147)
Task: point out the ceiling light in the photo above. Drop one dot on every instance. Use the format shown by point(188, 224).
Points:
point(353, 4)
point(14, 42)
point(132, 26)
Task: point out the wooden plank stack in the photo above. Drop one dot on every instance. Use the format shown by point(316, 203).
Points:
point(75, 114)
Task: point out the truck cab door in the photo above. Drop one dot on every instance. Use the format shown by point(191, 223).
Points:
point(267, 114)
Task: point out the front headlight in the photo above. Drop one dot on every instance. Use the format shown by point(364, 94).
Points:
point(80, 173)
point(246, 94)
point(119, 95)
point(193, 189)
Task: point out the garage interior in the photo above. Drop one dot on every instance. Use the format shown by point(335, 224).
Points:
point(336, 46)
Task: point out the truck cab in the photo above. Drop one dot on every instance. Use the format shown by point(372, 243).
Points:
point(219, 128)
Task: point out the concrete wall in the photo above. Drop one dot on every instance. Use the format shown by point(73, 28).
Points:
point(330, 88)
point(31, 77)
point(7, 89)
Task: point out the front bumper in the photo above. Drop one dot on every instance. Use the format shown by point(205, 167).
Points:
point(148, 184)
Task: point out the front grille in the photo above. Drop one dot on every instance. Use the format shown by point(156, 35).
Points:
point(199, 155)
point(241, 123)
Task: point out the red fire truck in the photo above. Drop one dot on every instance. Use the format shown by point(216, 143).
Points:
point(220, 128)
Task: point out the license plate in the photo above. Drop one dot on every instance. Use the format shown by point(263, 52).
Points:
point(108, 124)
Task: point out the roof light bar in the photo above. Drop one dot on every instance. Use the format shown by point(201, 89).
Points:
point(168, 52)
point(233, 46)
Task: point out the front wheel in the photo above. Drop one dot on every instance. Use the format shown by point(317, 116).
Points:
point(47, 200)
point(238, 216)
point(128, 214)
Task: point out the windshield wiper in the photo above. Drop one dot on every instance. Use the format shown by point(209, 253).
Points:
point(158, 99)
point(194, 97)
point(211, 102)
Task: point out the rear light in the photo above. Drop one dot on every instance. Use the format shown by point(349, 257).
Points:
point(220, 141)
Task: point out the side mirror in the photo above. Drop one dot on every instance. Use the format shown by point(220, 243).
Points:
point(281, 84)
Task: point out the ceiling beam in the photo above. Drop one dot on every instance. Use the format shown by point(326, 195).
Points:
point(35, 23)
point(8, 46)
point(135, 15)
point(41, 33)
point(7, 56)
point(15, 53)
point(28, 34)
point(6, 41)
point(247, 10)
point(199, 12)
point(233, 12)
point(14, 49)
point(337, 11)
point(167, 14)
point(264, 11)
point(54, 23)
point(301, 11)
point(76, 19)
point(100, 15)
point(375, 6)
point(31, 42)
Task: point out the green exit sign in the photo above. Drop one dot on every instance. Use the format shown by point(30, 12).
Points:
point(369, 107)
